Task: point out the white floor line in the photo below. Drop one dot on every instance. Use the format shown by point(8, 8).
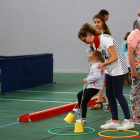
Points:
point(57, 92)
point(34, 100)
point(119, 104)
point(48, 91)
point(126, 94)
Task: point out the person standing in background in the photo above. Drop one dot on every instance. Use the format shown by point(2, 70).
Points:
point(135, 22)
point(133, 41)
point(101, 26)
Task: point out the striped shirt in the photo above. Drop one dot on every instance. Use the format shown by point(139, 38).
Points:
point(118, 67)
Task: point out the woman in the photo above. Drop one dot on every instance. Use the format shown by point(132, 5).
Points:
point(114, 74)
point(133, 41)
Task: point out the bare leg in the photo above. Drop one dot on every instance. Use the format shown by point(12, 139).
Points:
point(99, 102)
point(107, 103)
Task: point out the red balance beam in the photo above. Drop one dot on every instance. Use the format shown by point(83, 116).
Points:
point(50, 112)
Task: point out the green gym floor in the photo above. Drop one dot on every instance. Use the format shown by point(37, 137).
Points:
point(42, 97)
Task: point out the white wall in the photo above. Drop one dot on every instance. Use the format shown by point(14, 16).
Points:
point(51, 26)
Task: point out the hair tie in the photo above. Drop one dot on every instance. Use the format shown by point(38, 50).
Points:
point(83, 25)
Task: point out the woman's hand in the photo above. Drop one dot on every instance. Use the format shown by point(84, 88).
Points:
point(85, 80)
point(101, 66)
point(135, 75)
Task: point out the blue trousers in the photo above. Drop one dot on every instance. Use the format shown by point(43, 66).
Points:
point(114, 90)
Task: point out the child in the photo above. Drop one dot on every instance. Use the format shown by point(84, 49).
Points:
point(95, 82)
point(114, 74)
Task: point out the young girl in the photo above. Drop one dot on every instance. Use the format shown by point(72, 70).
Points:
point(95, 82)
point(133, 41)
point(101, 26)
point(114, 74)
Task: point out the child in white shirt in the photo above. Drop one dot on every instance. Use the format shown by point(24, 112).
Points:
point(94, 80)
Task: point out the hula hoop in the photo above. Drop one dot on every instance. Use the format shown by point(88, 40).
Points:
point(49, 131)
point(117, 136)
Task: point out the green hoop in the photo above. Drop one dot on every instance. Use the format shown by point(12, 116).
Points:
point(49, 131)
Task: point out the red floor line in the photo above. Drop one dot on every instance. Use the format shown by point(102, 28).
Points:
point(114, 138)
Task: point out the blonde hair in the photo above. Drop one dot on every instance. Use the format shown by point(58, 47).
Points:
point(139, 12)
point(87, 28)
point(105, 27)
point(96, 54)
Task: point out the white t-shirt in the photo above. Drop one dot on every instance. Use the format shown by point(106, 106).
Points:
point(118, 67)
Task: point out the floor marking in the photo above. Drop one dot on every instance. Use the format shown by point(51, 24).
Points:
point(72, 129)
point(8, 124)
point(57, 92)
point(48, 91)
point(34, 100)
point(38, 98)
point(112, 138)
point(67, 82)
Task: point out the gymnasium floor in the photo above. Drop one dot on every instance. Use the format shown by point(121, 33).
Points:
point(46, 96)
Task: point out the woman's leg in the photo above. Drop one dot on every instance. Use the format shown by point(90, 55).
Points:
point(118, 82)
point(111, 97)
point(135, 99)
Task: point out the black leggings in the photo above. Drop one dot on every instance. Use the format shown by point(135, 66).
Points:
point(114, 90)
point(88, 94)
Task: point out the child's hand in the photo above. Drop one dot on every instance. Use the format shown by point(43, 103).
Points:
point(90, 45)
point(85, 80)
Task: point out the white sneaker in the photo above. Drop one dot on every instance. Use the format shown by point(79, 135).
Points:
point(126, 124)
point(77, 111)
point(110, 124)
point(80, 121)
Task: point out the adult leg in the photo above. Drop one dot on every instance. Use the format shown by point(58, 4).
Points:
point(134, 98)
point(118, 82)
point(111, 97)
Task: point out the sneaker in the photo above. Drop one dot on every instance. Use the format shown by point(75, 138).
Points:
point(110, 124)
point(125, 125)
point(77, 111)
point(80, 121)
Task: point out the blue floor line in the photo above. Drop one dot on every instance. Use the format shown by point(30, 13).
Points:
point(37, 98)
point(8, 124)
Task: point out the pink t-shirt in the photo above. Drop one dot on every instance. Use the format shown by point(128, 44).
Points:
point(134, 38)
